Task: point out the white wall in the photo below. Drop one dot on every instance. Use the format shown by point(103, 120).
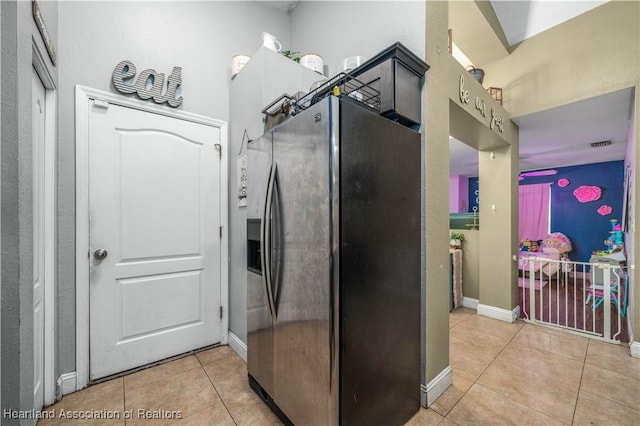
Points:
point(338, 29)
point(201, 37)
point(313, 30)
point(18, 34)
point(267, 76)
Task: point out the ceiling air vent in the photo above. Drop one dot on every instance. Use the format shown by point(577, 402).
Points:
point(599, 144)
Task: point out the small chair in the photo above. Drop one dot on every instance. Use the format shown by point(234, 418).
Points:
point(596, 292)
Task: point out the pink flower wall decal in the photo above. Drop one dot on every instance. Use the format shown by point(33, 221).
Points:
point(563, 182)
point(584, 194)
point(605, 210)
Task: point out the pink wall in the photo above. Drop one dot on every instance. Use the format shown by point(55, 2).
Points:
point(458, 194)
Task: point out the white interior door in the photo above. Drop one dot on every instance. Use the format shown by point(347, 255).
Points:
point(155, 213)
point(38, 137)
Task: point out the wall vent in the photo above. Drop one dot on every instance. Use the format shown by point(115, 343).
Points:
point(601, 143)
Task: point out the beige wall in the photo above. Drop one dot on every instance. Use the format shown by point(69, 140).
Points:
point(632, 238)
point(446, 115)
point(499, 229)
point(436, 165)
point(635, 236)
point(595, 53)
point(470, 263)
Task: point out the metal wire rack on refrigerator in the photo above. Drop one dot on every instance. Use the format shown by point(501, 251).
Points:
point(286, 106)
point(342, 84)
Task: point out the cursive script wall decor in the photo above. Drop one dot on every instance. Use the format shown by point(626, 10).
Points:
point(497, 121)
point(125, 70)
point(464, 94)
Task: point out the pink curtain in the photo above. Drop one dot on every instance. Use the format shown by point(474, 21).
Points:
point(534, 211)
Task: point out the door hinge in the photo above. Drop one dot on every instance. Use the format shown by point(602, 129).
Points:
point(220, 312)
point(219, 149)
point(100, 103)
point(221, 232)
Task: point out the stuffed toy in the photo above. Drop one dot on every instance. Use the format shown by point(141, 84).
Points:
point(556, 242)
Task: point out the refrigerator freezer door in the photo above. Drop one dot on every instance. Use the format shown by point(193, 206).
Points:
point(302, 148)
point(379, 269)
point(259, 315)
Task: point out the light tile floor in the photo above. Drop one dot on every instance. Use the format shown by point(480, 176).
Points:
point(502, 374)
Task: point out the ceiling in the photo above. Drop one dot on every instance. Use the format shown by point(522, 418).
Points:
point(552, 138)
point(560, 136)
point(525, 18)
point(284, 6)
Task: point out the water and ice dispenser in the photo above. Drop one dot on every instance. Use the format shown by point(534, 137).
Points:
point(253, 246)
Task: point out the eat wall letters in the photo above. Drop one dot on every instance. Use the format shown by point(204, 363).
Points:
point(125, 70)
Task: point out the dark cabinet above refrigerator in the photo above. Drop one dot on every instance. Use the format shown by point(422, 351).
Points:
point(397, 74)
point(390, 83)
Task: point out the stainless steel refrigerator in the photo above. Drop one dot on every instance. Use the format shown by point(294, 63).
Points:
point(334, 267)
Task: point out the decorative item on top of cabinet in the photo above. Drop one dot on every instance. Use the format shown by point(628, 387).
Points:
point(291, 54)
point(269, 41)
point(313, 62)
point(496, 93)
point(237, 63)
point(477, 73)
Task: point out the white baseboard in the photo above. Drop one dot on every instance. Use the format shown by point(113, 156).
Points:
point(499, 313)
point(67, 383)
point(238, 345)
point(634, 348)
point(468, 302)
point(436, 387)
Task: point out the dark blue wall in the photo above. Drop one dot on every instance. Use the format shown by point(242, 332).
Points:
point(474, 185)
point(581, 222)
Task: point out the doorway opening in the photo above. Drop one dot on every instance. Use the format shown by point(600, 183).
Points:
point(464, 222)
point(44, 150)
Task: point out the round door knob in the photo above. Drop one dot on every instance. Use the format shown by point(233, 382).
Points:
point(100, 254)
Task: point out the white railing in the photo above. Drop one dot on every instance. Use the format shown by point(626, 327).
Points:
point(589, 298)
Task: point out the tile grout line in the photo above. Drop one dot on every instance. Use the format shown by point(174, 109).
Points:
point(482, 372)
point(584, 363)
point(124, 400)
point(532, 408)
point(506, 396)
point(606, 398)
point(525, 405)
point(214, 387)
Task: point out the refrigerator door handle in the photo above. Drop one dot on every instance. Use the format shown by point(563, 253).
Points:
point(266, 241)
point(276, 242)
point(263, 250)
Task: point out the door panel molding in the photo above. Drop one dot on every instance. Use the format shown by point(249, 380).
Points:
point(84, 97)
